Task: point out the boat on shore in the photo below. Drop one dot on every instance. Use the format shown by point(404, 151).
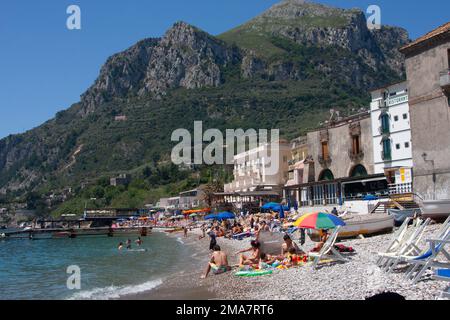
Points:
point(365, 225)
point(438, 210)
point(401, 215)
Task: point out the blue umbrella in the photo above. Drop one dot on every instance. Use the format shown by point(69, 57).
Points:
point(370, 197)
point(211, 216)
point(270, 206)
point(226, 215)
point(281, 212)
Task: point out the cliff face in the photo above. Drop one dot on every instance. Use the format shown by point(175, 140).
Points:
point(185, 57)
point(296, 56)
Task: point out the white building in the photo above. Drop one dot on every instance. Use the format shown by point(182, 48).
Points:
point(253, 170)
point(391, 128)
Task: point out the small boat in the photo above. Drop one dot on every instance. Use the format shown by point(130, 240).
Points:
point(437, 210)
point(401, 215)
point(365, 225)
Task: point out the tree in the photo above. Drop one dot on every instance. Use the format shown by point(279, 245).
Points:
point(209, 191)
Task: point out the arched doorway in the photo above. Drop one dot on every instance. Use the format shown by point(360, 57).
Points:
point(326, 175)
point(358, 171)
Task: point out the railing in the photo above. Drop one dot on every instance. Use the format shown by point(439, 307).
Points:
point(355, 156)
point(384, 131)
point(401, 188)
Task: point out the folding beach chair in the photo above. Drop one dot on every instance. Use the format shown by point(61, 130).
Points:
point(429, 259)
point(328, 250)
point(397, 242)
point(409, 248)
point(443, 275)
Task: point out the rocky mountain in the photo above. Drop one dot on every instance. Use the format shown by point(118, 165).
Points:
point(283, 69)
point(185, 57)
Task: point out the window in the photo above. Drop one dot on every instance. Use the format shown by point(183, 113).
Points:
point(406, 144)
point(405, 116)
point(386, 153)
point(385, 125)
point(356, 144)
point(396, 118)
point(325, 151)
point(397, 146)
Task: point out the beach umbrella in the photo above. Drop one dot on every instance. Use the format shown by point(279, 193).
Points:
point(226, 215)
point(319, 220)
point(193, 215)
point(270, 206)
point(211, 216)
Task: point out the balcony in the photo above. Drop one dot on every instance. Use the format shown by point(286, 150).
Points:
point(384, 130)
point(445, 79)
point(355, 156)
point(324, 161)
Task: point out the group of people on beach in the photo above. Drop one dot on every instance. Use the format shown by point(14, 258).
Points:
point(290, 253)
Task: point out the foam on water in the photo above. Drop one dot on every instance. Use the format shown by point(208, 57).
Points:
point(115, 292)
point(180, 241)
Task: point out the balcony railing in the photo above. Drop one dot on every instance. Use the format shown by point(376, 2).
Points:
point(324, 161)
point(445, 78)
point(384, 131)
point(355, 156)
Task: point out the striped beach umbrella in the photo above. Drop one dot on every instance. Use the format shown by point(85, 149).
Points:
point(318, 220)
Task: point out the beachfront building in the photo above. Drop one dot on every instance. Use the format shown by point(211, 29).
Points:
point(299, 152)
point(391, 130)
point(256, 178)
point(191, 199)
point(339, 166)
point(428, 74)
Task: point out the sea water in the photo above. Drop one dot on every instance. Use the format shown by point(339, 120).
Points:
point(37, 269)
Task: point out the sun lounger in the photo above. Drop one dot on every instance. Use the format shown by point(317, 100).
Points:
point(397, 241)
point(409, 248)
point(443, 275)
point(328, 250)
point(430, 258)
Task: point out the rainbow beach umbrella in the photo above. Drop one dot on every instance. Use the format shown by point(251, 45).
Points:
point(318, 220)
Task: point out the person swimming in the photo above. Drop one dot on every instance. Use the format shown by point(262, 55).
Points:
point(139, 241)
point(128, 244)
point(120, 247)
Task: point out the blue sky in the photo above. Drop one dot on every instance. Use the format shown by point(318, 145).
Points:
point(44, 67)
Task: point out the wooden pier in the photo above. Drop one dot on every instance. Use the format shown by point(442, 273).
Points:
point(61, 233)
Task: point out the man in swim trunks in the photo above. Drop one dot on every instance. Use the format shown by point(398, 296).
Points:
point(128, 244)
point(218, 262)
point(139, 241)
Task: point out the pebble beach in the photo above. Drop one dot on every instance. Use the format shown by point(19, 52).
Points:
point(357, 279)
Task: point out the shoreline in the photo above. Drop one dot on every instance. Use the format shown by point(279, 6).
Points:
point(357, 279)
